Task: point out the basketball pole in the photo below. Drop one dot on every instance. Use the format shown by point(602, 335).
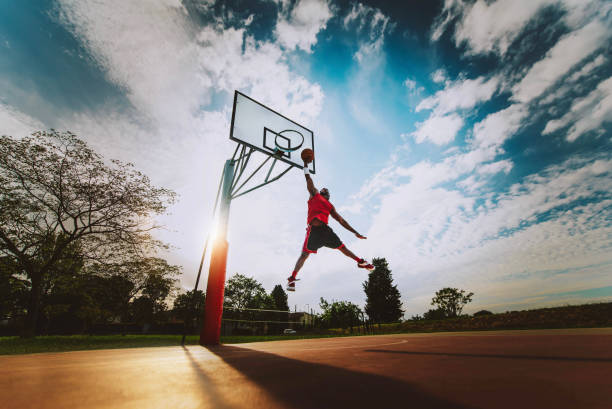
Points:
point(230, 189)
point(211, 330)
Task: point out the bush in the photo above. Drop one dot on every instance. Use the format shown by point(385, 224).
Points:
point(482, 312)
point(437, 314)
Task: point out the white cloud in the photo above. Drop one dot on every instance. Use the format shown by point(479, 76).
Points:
point(471, 184)
point(491, 27)
point(572, 82)
point(229, 63)
point(382, 180)
point(454, 226)
point(451, 9)
point(145, 47)
point(461, 94)
point(299, 29)
point(414, 90)
point(451, 241)
point(169, 69)
point(588, 68)
point(496, 167)
point(375, 25)
point(440, 130)
point(15, 123)
point(586, 114)
point(410, 84)
point(496, 128)
point(569, 51)
point(370, 27)
point(438, 75)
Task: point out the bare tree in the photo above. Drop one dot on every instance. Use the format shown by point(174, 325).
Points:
point(55, 191)
point(451, 301)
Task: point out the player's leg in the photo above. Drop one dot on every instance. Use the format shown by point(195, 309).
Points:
point(361, 263)
point(333, 241)
point(298, 265)
point(311, 244)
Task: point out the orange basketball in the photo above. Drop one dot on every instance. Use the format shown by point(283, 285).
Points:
point(307, 155)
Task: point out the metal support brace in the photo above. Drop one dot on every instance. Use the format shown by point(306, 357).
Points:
point(263, 184)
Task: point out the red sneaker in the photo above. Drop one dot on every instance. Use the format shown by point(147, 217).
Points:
point(291, 283)
point(364, 264)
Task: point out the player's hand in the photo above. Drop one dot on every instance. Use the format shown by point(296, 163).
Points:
point(359, 236)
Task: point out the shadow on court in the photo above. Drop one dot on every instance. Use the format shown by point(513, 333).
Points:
point(530, 357)
point(215, 397)
point(299, 384)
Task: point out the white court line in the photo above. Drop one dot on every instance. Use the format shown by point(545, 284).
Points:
point(356, 346)
point(245, 350)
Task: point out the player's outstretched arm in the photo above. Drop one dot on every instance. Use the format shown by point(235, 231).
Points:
point(344, 223)
point(309, 183)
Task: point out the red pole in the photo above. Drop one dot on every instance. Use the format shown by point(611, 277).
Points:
point(215, 289)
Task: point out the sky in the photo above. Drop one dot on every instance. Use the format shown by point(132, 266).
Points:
point(470, 141)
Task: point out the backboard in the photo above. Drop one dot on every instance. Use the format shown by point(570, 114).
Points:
point(267, 131)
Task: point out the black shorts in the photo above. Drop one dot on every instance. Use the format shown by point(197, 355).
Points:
point(319, 236)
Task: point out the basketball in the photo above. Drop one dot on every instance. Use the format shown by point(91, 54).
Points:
point(307, 155)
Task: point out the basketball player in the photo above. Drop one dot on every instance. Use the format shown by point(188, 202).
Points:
point(318, 233)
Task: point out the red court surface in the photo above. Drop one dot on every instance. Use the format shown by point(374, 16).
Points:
point(506, 369)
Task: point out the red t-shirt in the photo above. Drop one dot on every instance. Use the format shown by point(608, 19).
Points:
point(319, 208)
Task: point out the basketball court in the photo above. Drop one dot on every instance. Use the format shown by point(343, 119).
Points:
point(505, 369)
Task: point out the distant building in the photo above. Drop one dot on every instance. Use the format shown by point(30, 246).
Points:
point(303, 318)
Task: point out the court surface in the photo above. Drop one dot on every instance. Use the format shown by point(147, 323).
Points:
point(505, 369)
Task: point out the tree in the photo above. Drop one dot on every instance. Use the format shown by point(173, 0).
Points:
point(14, 289)
point(451, 301)
point(76, 299)
point(383, 299)
point(189, 307)
point(281, 301)
point(245, 292)
point(56, 191)
point(436, 314)
point(159, 282)
point(339, 314)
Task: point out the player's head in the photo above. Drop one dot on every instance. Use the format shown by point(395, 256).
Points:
point(325, 193)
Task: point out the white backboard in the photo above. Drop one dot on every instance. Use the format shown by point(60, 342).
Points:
point(267, 131)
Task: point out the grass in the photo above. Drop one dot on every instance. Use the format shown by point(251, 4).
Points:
point(577, 316)
point(59, 343)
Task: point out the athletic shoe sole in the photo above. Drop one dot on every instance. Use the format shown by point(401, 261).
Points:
point(368, 267)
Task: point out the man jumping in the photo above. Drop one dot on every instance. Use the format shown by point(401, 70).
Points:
point(318, 233)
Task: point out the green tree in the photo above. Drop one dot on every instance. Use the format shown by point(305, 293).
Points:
point(55, 191)
point(160, 281)
point(281, 301)
point(339, 314)
point(14, 289)
point(79, 298)
point(74, 304)
point(189, 307)
point(383, 299)
point(129, 279)
point(245, 292)
point(451, 301)
point(435, 314)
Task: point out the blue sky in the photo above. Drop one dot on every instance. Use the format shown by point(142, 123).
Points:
point(470, 141)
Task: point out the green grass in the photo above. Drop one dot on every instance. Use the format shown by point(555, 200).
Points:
point(57, 343)
point(579, 316)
